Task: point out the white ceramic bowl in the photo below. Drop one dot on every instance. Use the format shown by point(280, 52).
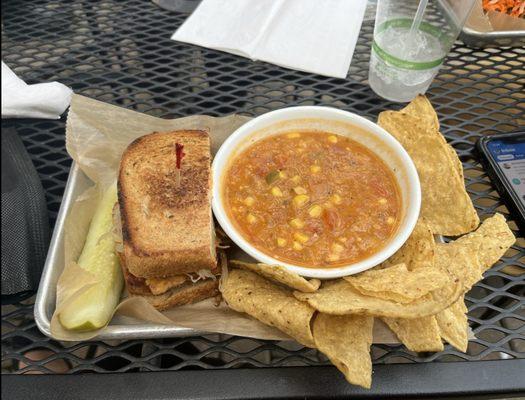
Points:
point(335, 121)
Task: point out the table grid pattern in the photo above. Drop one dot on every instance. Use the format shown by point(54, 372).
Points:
point(120, 52)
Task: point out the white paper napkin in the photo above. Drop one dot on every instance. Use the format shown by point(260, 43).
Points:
point(42, 100)
point(308, 35)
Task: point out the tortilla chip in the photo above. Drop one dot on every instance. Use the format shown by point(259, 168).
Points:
point(484, 247)
point(397, 283)
point(346, 341)
point(340, 297)
point(467, 270)
point(247, 292)
point(491, 240)
point(453, 325)
point(418, 334)
point(281, 275)
point(421, 108)
point(445, 204)
point(456, 161)
point(418, 251)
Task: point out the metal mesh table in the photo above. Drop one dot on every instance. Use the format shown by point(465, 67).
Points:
point(120, 52)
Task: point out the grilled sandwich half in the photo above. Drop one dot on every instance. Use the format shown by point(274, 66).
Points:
point(168, 250)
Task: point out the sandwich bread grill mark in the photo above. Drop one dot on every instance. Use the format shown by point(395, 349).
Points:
point(167, 228)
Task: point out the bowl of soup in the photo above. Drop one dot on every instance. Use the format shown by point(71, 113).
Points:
point(323, 192)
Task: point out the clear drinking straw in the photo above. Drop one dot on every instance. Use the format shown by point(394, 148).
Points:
point(412, 33)
point(418, 18)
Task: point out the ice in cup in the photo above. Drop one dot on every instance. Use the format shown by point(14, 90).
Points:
point(411, 41)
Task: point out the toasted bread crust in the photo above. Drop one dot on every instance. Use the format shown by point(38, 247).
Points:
point(188, 293)
point(134, 284)
point(167, 228)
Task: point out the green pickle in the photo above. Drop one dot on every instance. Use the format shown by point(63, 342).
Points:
point(94, 308)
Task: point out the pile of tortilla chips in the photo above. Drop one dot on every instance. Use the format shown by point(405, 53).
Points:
point(418, 292)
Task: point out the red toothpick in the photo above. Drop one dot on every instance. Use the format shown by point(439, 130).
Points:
point(179, 154)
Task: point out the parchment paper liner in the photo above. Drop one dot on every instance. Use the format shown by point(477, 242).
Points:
point(96, 135)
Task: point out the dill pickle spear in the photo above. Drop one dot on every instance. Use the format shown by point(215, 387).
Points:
point(93, 308)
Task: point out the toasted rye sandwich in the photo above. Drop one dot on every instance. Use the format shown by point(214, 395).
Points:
point(168, 242)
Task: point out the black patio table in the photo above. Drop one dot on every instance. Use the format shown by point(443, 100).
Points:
point(120, 52)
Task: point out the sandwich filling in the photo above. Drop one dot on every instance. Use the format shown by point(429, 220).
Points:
point(158, 286)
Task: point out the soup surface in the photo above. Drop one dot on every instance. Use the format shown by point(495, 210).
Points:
point(313, 199)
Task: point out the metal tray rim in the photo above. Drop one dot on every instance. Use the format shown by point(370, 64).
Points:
point(47, 286)
point(493, 34)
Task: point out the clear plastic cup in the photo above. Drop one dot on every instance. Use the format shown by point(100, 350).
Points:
point(411, 41)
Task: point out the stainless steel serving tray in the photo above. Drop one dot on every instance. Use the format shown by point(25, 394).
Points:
point(77, 183)
point(477, 39)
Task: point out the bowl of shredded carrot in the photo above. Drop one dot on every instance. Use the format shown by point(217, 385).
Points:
point(514, 8)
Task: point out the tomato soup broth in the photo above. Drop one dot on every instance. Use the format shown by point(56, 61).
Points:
point(312, 199)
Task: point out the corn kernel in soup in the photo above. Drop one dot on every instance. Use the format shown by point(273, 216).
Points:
point(333, 204)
